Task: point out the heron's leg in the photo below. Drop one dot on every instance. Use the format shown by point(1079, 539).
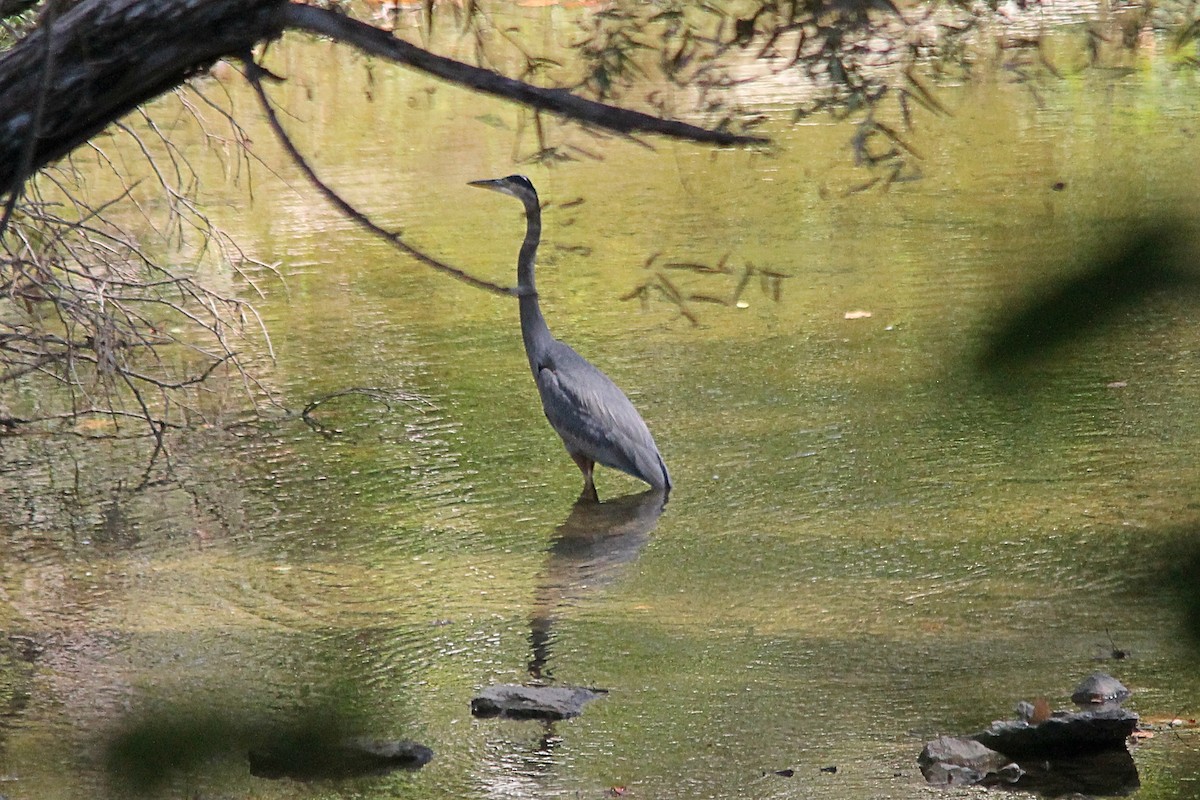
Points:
point(586, 465)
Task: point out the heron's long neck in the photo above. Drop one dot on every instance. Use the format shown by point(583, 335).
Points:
point(533, 325)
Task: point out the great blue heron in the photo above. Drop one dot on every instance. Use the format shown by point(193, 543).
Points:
point(594, 418)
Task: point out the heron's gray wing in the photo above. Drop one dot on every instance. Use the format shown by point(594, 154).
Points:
point(594, 417)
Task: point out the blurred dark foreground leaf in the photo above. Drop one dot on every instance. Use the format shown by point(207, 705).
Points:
point(309, 758)
point(1152, 262)
point(146, 753)
point(149, 751)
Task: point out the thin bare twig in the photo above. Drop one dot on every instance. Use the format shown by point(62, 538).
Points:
point(254, 74)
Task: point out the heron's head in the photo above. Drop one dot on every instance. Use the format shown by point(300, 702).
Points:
point(517, 186)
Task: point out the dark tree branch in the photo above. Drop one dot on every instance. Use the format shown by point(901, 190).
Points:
point(11, 8)
point(83, 66)
point(110, 56)
point(26, 157)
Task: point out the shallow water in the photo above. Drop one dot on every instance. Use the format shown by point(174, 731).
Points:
point(868, 545)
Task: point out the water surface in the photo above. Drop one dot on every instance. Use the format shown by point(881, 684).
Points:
point(868, 545)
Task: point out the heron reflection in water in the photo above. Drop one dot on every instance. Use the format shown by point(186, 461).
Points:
point(594, 418)
point(591, 549)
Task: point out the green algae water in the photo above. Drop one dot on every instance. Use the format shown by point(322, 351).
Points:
point(867, 546)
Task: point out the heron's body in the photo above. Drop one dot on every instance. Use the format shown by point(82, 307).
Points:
point(594, 418)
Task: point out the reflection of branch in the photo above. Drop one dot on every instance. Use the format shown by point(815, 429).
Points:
point(11, 422)
point(255, 73)
point(558, 101)
point(384, 396)
point(770, 281)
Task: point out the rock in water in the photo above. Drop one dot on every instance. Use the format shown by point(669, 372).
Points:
point(1059, 752)
point(1106, 728)
point(1099, 689)
point(533, 702)
point(951, 761)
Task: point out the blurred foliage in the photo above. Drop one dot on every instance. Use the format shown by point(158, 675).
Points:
point(870, 63)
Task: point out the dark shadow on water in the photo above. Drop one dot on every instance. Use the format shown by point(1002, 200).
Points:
point(1151, 264)
point(1182, 553)
point(149, 752)
point(1108, 774)
point(591, 548)
point(312, 755)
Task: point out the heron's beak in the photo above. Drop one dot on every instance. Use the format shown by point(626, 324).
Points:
point(495, 184)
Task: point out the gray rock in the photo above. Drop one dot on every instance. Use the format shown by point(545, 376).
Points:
point(951, 761)
point(1099, 689)
point(533, 702)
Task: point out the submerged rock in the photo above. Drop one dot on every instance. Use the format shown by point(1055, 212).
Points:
point(351, 758)
point(533, 702)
